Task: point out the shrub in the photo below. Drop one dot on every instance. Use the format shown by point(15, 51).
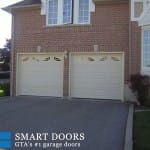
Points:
point(2, 93)
point(148, 100)
point(5, 75)
point(6, 87)
point(140, 84)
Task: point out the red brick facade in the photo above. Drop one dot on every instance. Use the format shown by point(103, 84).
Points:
point(110, 29)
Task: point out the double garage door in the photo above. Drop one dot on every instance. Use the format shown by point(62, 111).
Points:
point(91, 75)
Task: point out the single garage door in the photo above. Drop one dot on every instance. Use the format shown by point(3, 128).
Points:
point(40, 75)
point(97, 76)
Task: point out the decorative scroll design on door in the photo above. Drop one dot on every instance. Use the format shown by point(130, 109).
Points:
point(91, 59)
point(25, 59)
point(36, 59)
point(103, 58)
point(57, 59)
point(47, 59)
point(115, 58)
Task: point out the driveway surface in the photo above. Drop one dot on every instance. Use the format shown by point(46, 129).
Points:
point(102, 122)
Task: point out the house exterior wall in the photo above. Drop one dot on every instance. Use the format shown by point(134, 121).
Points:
point(110, 29)
point(136, 48)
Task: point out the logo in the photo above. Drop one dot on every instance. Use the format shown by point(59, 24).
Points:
point(5, 139)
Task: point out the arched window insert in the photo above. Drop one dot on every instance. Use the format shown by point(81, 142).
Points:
point(138, 9)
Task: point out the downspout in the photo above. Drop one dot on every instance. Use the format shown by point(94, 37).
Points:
point(12, 58)
point(130, 40)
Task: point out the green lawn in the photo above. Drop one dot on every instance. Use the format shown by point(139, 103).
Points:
point(142, 130)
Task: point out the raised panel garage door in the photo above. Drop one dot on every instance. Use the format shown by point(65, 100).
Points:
point(97, 76)
point(40, 75)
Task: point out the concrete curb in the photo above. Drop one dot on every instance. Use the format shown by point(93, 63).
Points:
point(142, 110)
point(128, 145)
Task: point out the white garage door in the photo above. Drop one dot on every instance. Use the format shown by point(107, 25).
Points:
point(97, 76)
point(40, 75)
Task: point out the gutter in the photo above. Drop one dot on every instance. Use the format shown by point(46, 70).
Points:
point(109, 1)
point(130, 41)
point(9, 9)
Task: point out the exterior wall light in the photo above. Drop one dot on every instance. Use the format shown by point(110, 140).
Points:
point(38, 49)
point(96, 48)
point(66, 54)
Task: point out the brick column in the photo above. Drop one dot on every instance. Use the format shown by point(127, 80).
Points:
point(66, 77)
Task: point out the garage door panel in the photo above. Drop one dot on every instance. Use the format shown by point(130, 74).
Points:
point(102, 69)
point(44, 84)
point(97, 89)
point(101, 95)
point(92, 78)
point(40, 74)
point(90, 75)
point(34, 92)
point(97, 79)
point(98, 86)
point(98, 95)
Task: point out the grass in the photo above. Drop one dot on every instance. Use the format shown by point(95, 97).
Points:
point(142, 130)
point(4, 89)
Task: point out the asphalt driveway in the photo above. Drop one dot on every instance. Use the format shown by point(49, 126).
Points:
point(102, 122)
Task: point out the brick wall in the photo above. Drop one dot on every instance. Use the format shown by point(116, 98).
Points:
point(109, 29)
point(136, 48)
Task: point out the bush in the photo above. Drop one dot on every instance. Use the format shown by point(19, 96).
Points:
point(6, 87)
point(5, 75)
point(2, 93)
point(140, 84)
point(148, 100)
